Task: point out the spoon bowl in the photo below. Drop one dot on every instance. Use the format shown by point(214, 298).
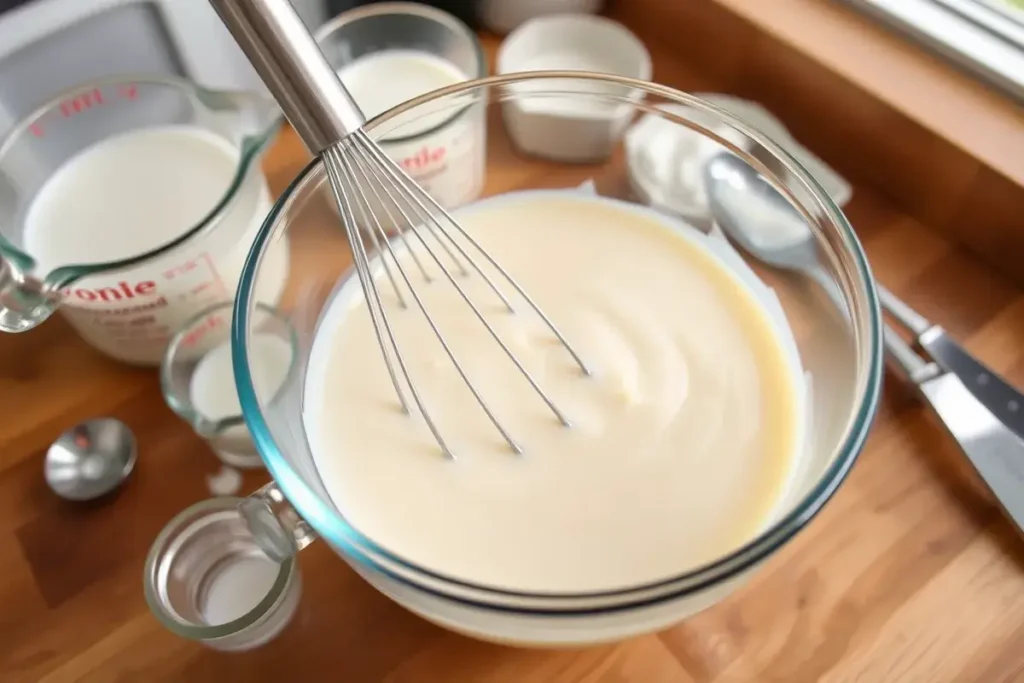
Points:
point(756, 215)
point(91, 459)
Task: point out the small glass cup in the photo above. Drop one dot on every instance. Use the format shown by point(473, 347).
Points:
point(206, 579)
point(197, 378)
point(444, 152)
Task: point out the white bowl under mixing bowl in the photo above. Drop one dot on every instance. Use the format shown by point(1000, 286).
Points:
point(561, 127)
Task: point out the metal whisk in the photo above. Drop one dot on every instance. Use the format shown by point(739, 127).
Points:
point(362, 176)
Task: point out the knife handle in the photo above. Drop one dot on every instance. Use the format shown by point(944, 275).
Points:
point(1001, 399)
point(995, 452)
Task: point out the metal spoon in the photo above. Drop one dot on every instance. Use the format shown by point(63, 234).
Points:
point(981, 411)
point(90, 459)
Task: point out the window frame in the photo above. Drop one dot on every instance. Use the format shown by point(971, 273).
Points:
point(979, 35)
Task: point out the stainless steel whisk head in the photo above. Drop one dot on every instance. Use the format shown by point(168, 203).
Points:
point(363, 177)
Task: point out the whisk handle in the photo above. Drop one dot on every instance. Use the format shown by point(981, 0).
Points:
point(289, 61)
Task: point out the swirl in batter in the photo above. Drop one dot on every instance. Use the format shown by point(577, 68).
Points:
point(682, 444)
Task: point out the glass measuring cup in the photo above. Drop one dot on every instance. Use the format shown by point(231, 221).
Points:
point(128, 308)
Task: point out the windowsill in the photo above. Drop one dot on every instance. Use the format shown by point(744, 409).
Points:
point(967, 32)
point(987, 125)
point(875, 105)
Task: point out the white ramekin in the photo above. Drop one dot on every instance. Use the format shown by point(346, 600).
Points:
point(571, 129)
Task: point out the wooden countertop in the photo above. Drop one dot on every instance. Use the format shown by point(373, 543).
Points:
point(910, 574)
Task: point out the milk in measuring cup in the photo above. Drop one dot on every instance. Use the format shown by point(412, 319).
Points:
point(442, 148)
point(133, 193)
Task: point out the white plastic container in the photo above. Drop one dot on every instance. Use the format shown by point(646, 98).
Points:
point(572, 129)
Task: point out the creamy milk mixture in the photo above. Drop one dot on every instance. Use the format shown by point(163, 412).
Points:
point(133, 193)
point(682, 444)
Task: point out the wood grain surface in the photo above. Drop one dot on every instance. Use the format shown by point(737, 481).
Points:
point(909, 575)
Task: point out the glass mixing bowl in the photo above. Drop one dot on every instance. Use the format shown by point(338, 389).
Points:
point(839, 347)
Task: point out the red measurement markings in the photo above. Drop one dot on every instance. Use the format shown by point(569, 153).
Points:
point(81, 102)
point(127, 91)
point(216, 276)
point(423, 158)
point(196, 334)
point(182, 269)
point(87, 101)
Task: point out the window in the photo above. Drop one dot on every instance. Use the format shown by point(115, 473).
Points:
point(986, 36)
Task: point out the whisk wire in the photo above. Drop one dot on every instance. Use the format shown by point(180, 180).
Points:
point(387, 269)
point(392, 221)
point(330, 123)
point(411, 189)
point(356, 164)
point(414, 192)
point(335, 160)
point(343, 162)
point(476, 311)
point(378, 316)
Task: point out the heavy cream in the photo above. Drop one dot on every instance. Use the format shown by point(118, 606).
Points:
point(683, 442)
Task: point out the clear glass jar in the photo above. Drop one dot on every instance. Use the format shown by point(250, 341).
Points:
point(207, 579)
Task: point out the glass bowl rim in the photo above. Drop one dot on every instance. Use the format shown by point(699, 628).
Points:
point(342, 535)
